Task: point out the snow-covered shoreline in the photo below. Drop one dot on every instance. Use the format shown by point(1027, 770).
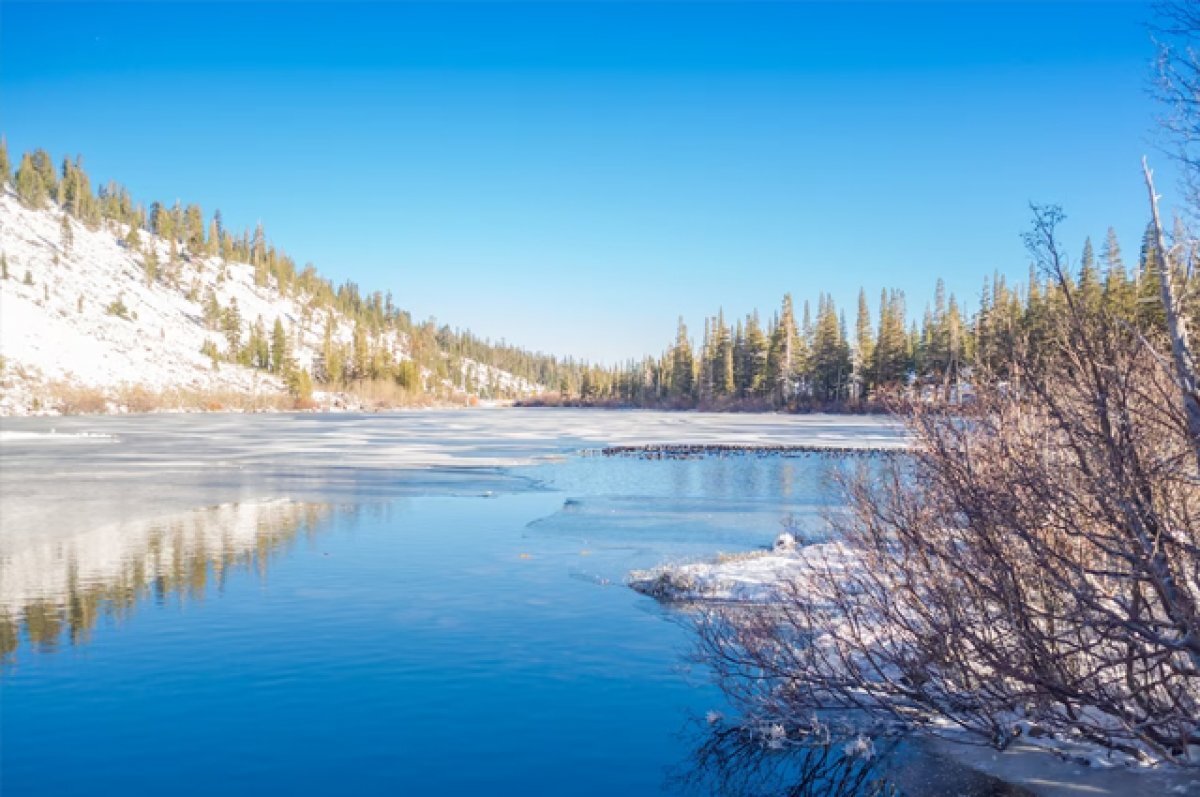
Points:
point(1045, 764)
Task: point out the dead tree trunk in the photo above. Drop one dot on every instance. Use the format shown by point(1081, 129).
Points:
point(1181, 352)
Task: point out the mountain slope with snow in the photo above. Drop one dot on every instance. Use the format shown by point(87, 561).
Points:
point(80, 317)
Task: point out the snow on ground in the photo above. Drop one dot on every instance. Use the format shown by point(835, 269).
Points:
point(57, 322)
point(751, 577)
point(61, 317)
point(490, 380)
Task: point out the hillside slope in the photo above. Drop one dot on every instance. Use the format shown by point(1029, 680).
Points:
point(84, 326)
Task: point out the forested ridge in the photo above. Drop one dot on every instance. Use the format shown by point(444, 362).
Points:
point(433, 354)
point(802, 357)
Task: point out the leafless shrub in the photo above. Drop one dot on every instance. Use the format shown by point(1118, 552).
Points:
point(1034, 567)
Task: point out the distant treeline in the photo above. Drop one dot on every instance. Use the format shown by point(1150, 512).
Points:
point(792, 361)
point(814, 362)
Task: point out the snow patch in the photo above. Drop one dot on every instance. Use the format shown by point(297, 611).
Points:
point(753, 576)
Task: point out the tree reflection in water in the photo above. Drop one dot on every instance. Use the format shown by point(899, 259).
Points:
point(736, 761)
point(56, 593)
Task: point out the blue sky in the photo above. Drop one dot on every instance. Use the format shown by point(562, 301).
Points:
point(573, 176)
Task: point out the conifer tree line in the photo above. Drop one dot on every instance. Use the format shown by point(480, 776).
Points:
point(801, 357)
point(435, 353)
point(802, 360)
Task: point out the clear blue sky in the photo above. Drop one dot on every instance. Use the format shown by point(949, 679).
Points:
point(574, 176)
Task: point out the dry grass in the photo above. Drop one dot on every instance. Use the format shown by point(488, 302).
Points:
point(383, 394)
point(70, 399)
point(138, 399)
point(740, 556)
point(73, 399)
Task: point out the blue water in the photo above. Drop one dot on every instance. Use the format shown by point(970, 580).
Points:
point(442, 631)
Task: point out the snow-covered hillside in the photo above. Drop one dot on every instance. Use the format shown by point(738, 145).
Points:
point(79, 316)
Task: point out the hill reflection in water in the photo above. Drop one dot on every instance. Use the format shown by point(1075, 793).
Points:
point(55, 593)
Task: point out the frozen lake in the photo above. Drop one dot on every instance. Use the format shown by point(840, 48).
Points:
point(417, 603)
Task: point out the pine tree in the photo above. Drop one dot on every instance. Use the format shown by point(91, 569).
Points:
point(361, 364)
point(279, 348)
point(1148, 306)
point(30, 188)
point(891, 344)
point(830, 354)
point(300, 386)
point(152, 268)
point(5, 166)
point(722, 358)
point(1089, 276)
point(758, 348)
point(741, 362)
point(705, 384)
point(257, 351)
point(682, 365)
point(258, 256)
point(193, 225)
point(864, 346)
point(332, 361)
point(43, 165)
point(68, 188)
point(231, 325)
point(956, 349)
point(785, 358)
point(160, 223)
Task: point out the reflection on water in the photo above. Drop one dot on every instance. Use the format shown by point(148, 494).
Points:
point(737, 762)
point(435, 643)
point(733, 761)
point(56, 591)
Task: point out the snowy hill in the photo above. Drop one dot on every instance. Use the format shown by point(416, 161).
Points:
point(83, 328)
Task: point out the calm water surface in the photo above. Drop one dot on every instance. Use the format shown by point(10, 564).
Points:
point(429, 603)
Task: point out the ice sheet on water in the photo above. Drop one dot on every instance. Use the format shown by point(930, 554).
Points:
point(175, 462)
point(167, 464)
point(664, 523)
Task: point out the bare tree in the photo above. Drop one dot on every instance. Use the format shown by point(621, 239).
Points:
point(1176, 29)
point(1177, 325)
point(1033, 568)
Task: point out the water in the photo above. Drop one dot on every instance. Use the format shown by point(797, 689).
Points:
point(422, 603)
